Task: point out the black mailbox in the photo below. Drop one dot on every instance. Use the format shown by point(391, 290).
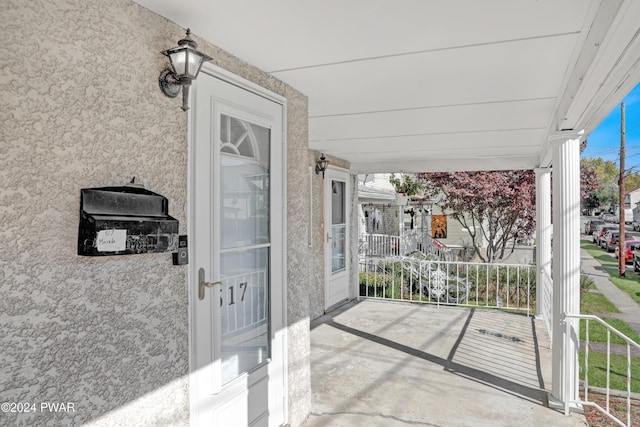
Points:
point(125, 220)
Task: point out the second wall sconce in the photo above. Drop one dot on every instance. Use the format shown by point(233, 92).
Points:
point(185, 66)
point(321, 165)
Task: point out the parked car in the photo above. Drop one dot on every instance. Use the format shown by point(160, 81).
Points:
point(636, 259)
point(631, 235)
point(636, 225)
point(629, 246)
point(591, 224)
point(611, 239)
point(600, 231)
point(608, 217)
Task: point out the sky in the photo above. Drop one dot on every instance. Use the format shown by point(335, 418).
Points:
point(604, 141)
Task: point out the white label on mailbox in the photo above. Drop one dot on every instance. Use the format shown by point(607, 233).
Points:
point(112, 240)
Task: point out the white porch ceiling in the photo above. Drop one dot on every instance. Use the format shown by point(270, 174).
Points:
point(417, 85)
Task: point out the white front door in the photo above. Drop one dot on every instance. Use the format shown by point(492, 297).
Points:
point(336, 225)
point(237, 328)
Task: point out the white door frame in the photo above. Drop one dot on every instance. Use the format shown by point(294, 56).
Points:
point(192, 278)
point(340, 174)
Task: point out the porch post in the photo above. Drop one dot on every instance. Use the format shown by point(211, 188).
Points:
point(566, 264)
point(543, 246)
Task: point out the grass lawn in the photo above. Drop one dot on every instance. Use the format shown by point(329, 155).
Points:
point(617, 372)
point(629, 284)
point(598, 333)
point(597, 304)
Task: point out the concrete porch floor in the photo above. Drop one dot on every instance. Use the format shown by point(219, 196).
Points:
point(386, 364)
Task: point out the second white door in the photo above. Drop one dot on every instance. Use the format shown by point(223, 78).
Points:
point(336, 225)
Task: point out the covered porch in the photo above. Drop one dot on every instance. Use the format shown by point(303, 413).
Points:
point(449, 86)
point(376, 86)
point(378, 363)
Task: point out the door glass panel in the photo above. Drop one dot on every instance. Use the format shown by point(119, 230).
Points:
point(337, 202)
point(244, 246)
point(245, 183)
point(337, 251)
point(245, 317)
point(338, 226)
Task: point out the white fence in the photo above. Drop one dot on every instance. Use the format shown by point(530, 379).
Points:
point(380, 245)
point(504, 286)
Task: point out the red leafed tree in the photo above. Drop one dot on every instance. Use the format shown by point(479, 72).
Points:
point(589, 186)
point(497, 206)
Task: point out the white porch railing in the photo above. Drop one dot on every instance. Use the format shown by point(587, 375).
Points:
point(629, 345)
point(383, 245)
point(409, 242)
point(380, 245)
point(504, 286)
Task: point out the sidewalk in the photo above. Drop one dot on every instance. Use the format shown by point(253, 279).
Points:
point(629, 309)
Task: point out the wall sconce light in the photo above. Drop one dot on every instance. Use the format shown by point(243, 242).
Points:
point(185, 63)
point(321, 165)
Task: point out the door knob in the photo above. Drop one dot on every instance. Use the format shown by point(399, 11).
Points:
point(202, 284)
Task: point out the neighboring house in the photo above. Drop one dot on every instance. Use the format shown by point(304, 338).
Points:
point(377, 209)
point(631, 201)
point(381, 214)
point(631, 198)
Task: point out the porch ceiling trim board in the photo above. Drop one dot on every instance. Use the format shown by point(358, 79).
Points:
point(488, 163)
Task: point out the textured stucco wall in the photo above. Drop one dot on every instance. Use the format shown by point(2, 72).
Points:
point(354, 236)
point(316, 292)
point(82, 108)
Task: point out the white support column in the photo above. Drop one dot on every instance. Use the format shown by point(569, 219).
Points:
point(544, 289)
point(566, 263)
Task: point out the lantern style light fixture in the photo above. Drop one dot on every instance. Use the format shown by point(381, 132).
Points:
point(185, 66)
point(321, 165)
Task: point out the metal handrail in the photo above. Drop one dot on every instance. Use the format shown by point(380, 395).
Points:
point(630, 344)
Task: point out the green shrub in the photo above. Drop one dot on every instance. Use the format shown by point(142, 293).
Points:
point(380, 285)
point(489, 283)
point(586, 283)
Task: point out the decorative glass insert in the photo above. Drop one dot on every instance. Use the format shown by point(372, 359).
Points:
point(237, 137)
